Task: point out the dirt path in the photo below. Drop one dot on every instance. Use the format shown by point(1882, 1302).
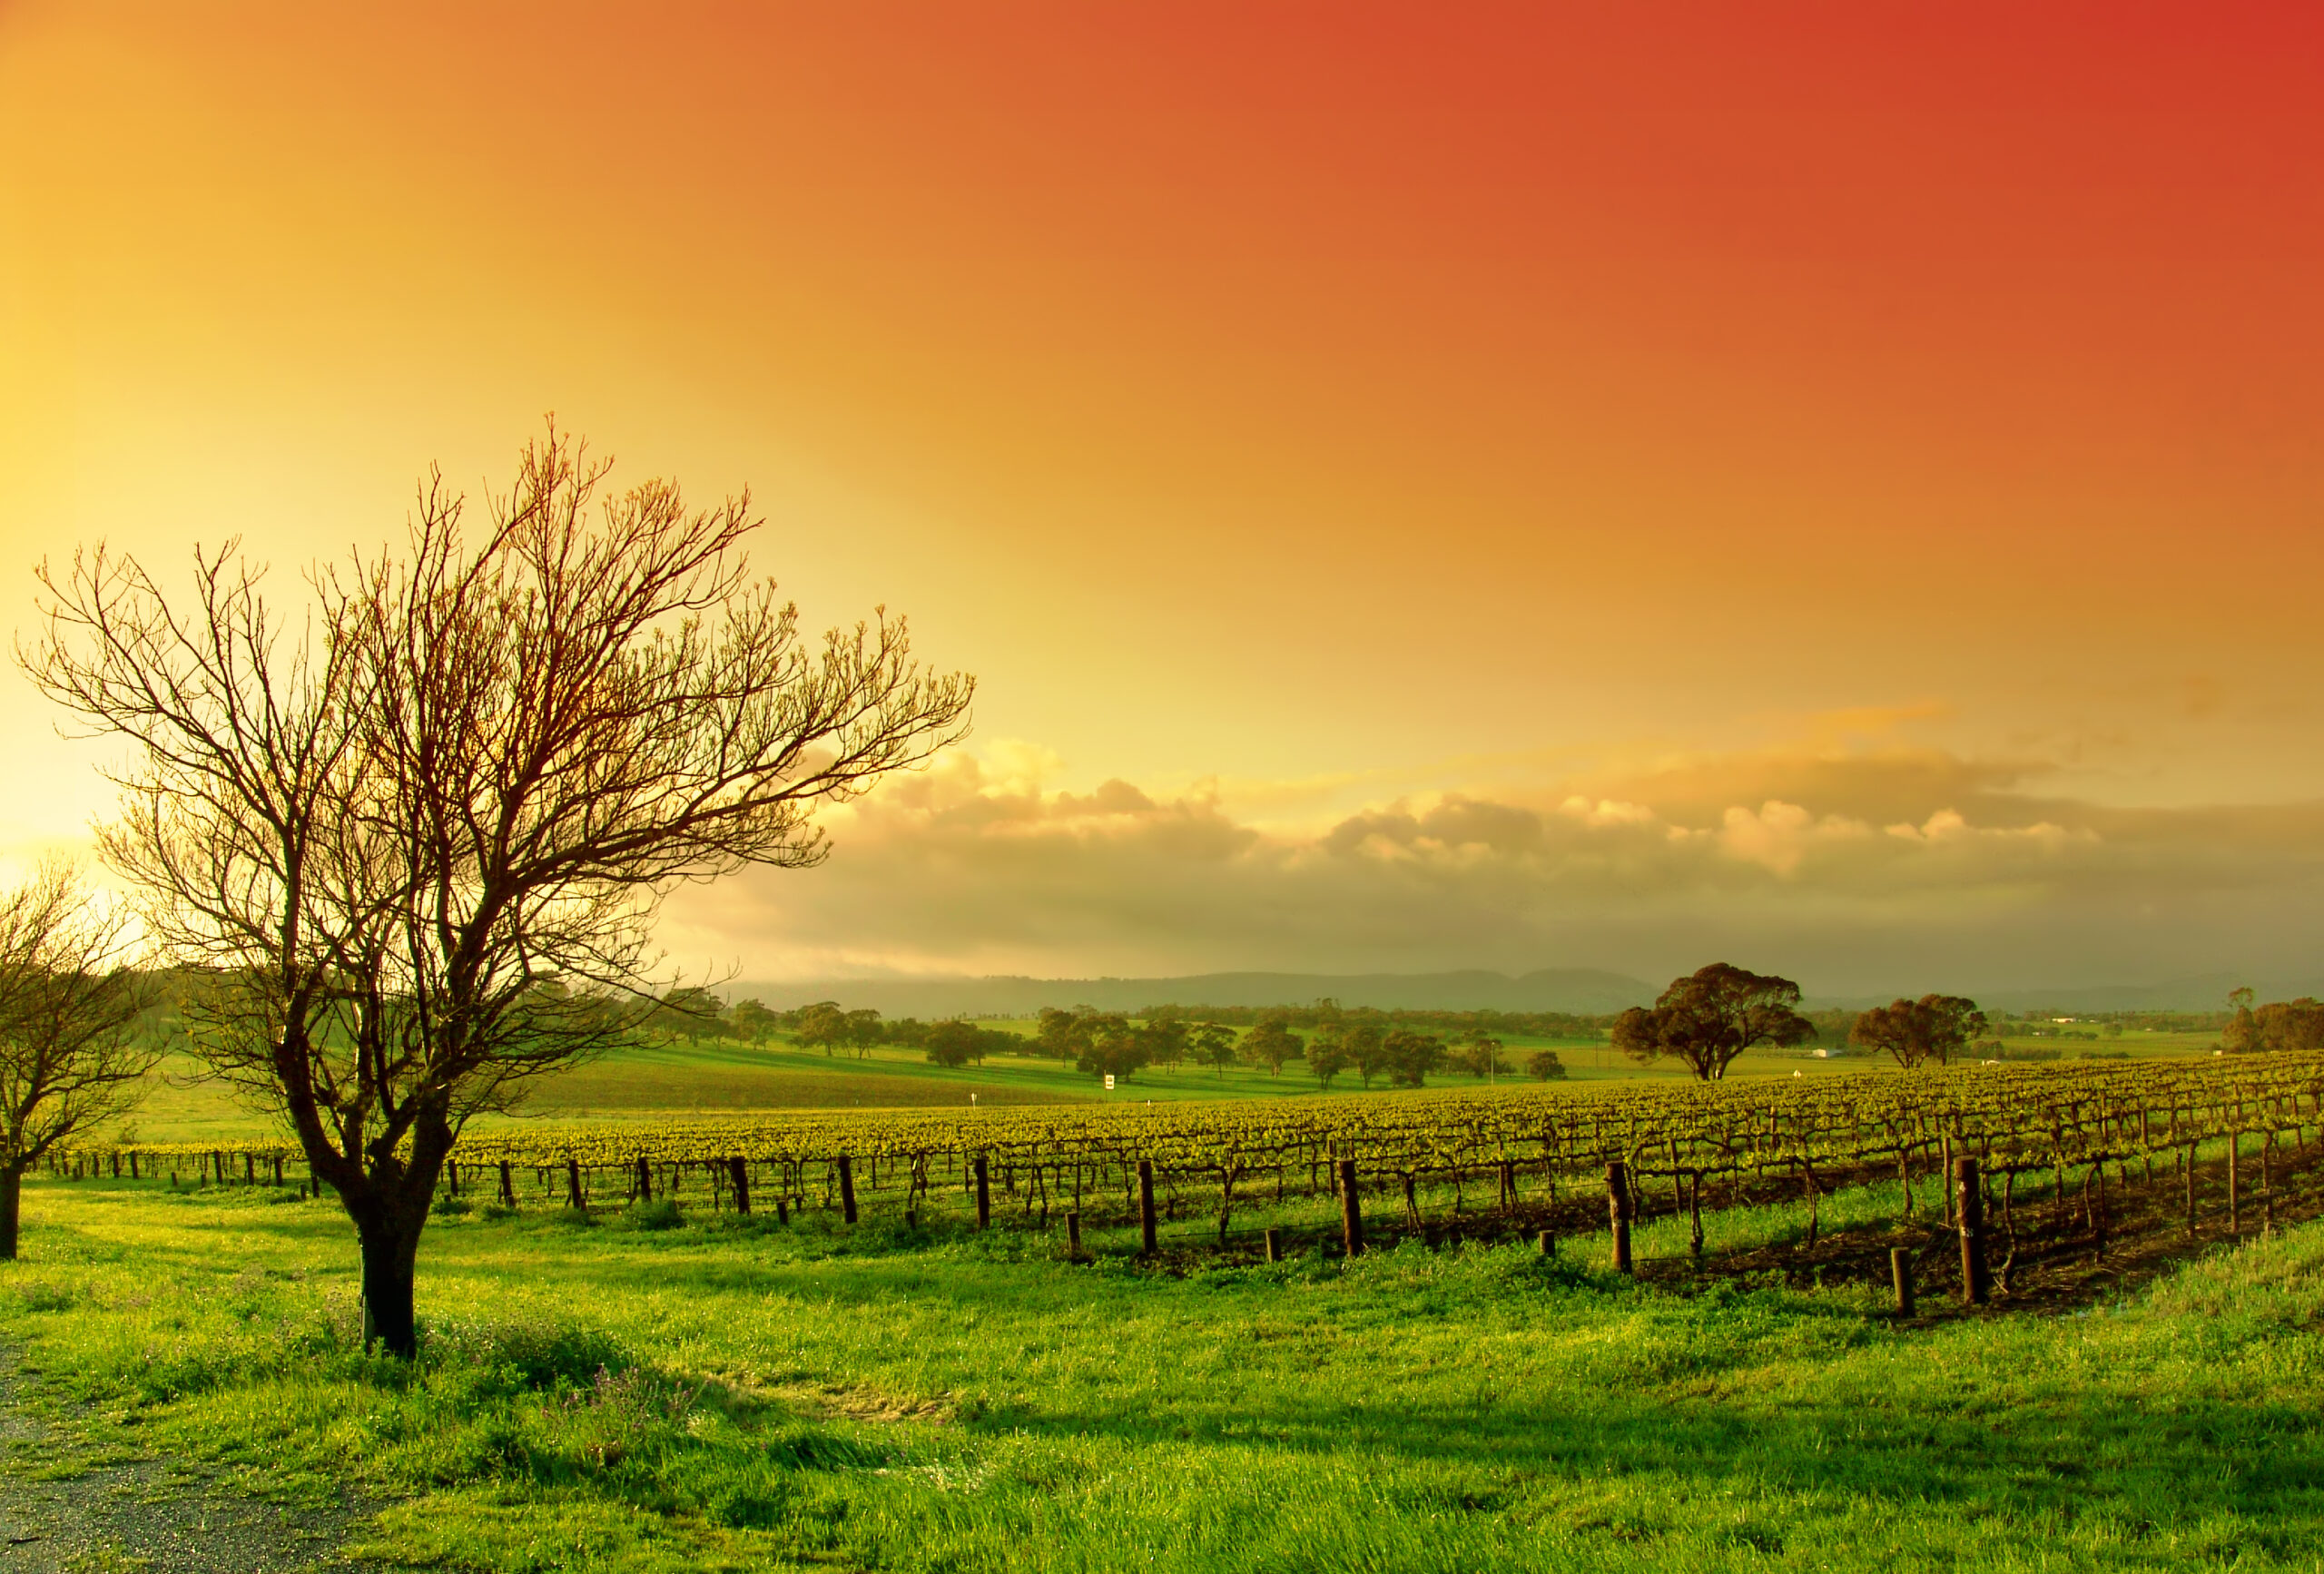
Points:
point(163, 1516)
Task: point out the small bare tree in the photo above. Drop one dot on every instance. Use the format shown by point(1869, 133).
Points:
point(71, 1058)
point(420, 849)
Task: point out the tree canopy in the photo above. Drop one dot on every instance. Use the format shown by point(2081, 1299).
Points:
point(1934, 1027)
point(1709, 1017)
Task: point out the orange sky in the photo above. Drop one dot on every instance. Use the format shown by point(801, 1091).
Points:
point(1338, 402)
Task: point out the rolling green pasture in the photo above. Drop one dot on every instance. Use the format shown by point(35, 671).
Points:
point(716, 1393)
point(676, 1078)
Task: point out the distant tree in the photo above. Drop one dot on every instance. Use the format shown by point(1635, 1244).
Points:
point(1116, 1049)
point(1270, 1044)
point(751, 1021)
point(71, 1058)
point(822, 1026)
point(1544, 1064)
point(1711, 1017)
point(1326, 1060)
point(1165, 1040)
point(1213, 1046)
point(2277, 1027)
point(863, 1032)
point(2242, 1034)
point(952, 1043)
point(1411, 1056)
point(687, 1013)
point(1478, 1055)
point(1367, 1051)
point(1934, 1027)
point(1065, 1034)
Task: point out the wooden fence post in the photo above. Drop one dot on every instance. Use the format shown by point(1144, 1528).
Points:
point(1944, 1162)
point(1969, 1207)
point(572, 1198)
point(1900, 1271)
point(1548, 1243)
point(1073, 1235)
point(1145, 1205)
point(738, 1179)
point(2234, 1198)
point(2267, 1186)
point(508, 1184)
point(1618, 1214)
point(984, 1196)
point(1275, 1244)
point(1351, 1210)
point(847, 1187)
point(645, 1185)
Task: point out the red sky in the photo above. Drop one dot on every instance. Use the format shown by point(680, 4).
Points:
point(1337, 402)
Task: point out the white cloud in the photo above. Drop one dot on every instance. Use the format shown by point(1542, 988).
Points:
point(1885, 871)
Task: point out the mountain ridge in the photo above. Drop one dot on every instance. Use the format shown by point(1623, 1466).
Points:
point(1581, 991)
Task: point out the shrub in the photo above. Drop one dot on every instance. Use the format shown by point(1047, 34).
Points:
point(659, 1214)
point(535, 1353)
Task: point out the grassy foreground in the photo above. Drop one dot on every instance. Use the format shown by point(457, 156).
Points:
point(725, 1393)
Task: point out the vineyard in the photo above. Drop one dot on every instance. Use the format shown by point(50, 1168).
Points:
point(1557, 1163)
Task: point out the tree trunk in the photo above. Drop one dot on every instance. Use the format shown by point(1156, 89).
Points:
point(12, 1191)
point(387, 1198)
point(390, 1260)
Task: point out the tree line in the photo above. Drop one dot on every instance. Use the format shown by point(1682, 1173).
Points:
point(1326, 1013)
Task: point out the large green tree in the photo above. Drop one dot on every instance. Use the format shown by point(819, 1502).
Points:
point(469, 769)
point(1709, 1017)
point(1934, 1027)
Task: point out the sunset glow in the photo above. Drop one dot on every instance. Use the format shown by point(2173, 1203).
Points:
point(1501, 486)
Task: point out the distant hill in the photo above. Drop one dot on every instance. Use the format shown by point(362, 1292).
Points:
point(1582, 990)
point(1576, 989)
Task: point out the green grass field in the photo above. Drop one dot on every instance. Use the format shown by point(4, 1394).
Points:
point(725, 1393)
point(722, 1076)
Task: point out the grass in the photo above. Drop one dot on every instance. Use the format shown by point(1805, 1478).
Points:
point(651, 1081)
point(684, 1391)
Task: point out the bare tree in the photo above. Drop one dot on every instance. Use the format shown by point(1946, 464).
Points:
point(70, 1055)
point(421, 846)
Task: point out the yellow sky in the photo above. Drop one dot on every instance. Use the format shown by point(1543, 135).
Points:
point(1291, 418)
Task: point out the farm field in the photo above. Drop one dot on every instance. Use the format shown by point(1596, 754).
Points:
point(657, 1080)
point(694, 1391)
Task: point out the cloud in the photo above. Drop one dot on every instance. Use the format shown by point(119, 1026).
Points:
point(1878, 871)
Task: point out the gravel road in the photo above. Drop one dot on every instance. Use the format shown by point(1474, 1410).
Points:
point(163, 1516)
